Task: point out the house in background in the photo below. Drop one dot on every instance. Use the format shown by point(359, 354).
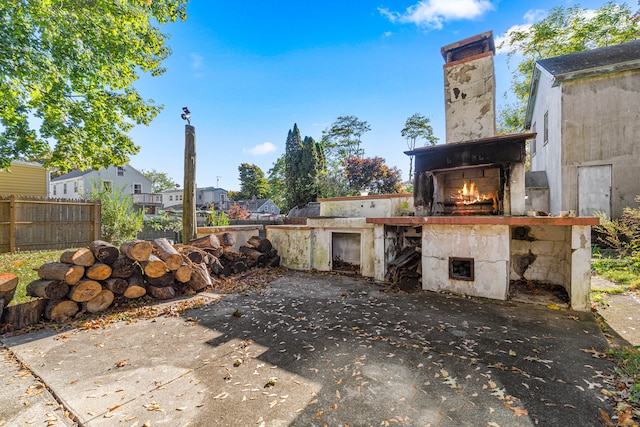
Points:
point(212, 198)
point(585, 109)
point(24, 179)
point(78, 184)
point(259, 207)
point(172, 198)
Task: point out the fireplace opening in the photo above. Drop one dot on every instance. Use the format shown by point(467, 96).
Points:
point(461, 268)
point(474, 191)
point(345, 252)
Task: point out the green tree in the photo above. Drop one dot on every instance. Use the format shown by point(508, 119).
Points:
point(276, 182)
point(371, 175)
point(304, 161)
point(417, 127)
point(343, 138)
point(71, 65)
point(562, 31)
point(252, 182)
point(160, 181)
point(120, 222)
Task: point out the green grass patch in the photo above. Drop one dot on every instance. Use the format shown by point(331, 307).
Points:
point(24, 265)
point(628, 361)
point(625, 271)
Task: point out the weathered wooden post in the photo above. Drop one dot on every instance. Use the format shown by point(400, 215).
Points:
point(189, 227)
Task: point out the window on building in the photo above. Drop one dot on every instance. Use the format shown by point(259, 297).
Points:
point(137, 188)
point(532, 144)
point(546, 128)
point(120, 171)
point(54, 190)
point(64, 188)
point(171, 198)
point(75, 187)
point(107, 187)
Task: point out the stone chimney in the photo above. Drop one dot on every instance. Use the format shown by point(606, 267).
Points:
point(469, 88)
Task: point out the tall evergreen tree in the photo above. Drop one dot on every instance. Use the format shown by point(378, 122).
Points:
point(292, 161)
point(304, 161)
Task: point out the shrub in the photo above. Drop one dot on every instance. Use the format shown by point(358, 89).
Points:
point(120, 222)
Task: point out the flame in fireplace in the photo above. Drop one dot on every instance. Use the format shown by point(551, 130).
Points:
point(469, 195)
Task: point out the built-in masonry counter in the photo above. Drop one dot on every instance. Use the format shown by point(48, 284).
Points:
point(482, 255)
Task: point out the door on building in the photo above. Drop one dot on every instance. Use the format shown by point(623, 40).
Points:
point(594, 190)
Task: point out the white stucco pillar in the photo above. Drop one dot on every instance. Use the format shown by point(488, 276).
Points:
point(379, 262)
point(580, 267)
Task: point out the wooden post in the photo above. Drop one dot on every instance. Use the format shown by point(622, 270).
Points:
point(189, 201)
point(12, 224)
point(97, 220)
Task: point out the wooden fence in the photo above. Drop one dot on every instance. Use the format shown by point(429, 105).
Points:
point(28, 224)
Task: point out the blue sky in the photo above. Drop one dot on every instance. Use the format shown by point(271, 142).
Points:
point(249, 70)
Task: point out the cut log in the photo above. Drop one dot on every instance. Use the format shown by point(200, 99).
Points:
point(216, 267)
point(68, 273)
point(195, 256)
point(8, 284)
point(116, 285)
point(83, 257)
point(98, 271)
point(165, 292)
point(100, 302)
point(273, 261)
point(135, 287)
point(183, 273)
point(254, 241)
point(60, 310)
point(84, 290)
point(251, 253)
point(265, 246)
point(104, 251)
point(123, 267)
point(239, 267)
point(138, 250)
point(166, 252)
point(154, 267)
point(200, 278)
point(49, 289)
point(167, 279)
point(21, 315)
point(227, 240)
point(209, 241)
point(215, 252)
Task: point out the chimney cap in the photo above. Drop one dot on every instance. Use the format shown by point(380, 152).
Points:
point(470, 46)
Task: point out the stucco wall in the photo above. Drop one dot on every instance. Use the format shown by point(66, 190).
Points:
point(488, 245)
point(469, 92)
point(293, 244)
point(601, 117)
point(378, 206)
point(542, 253)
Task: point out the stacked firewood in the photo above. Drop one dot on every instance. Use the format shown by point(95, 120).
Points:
point(404, 273)
point(91, 279)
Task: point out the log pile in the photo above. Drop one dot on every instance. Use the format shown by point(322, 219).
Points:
point(92, 279)
point(404, 273)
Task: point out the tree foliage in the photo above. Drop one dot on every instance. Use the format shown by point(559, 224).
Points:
point(119, 221)
point(304, 161)
point(252, 182)
point(417, 127)
point(160, 181)
point(371, 175)
point(276, 182)
point(344, 138)
point(562, 31)
point(69, 67)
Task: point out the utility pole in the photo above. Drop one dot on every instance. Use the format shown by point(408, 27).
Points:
point(218, 181)
point(189, 225)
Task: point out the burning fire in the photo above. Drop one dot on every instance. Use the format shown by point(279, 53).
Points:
point(469, 194)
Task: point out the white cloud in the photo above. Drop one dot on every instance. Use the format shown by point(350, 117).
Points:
point(197, 61)
point(433, 13)
point(260, 149)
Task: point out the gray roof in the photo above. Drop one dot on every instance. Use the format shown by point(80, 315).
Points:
point(593, 62)
point(619, 57)
point(73, 174)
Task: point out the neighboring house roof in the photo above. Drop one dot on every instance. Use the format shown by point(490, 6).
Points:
point(211, 189)
point(72, 174)
point(312, 209)
point(603, 60)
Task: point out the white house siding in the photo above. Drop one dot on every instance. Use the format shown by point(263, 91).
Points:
point(548, 155)
point(85, 182)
